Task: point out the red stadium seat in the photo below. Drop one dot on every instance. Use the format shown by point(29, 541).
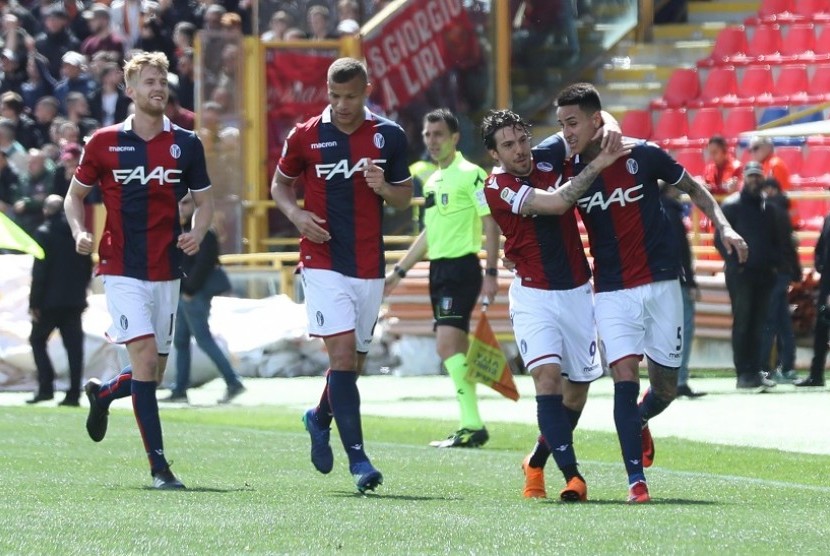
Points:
point(683, 85)
point(818, 88)
point(772, 11)
point(738, 120)
point(672, 128)
point(817, 11)
point(637, 123)
point(800, 43)
point(757, 86)
point(821, 52)
point(731, 42)
point(765, 44)
point(791, 85)
point(706, 123)
point(791, 155)
point(815, 169)
point(719, 89)
point(692, 160)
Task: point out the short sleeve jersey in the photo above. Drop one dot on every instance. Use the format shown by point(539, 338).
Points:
point(453, 206)
point(331, 164)
point(546, 249)
point(141, 184)
point(628, 229)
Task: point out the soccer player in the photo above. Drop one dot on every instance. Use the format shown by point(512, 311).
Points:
point(551, 302)
point(638, 304)
point(143, 166)
point(455, 212)
point(351, 161)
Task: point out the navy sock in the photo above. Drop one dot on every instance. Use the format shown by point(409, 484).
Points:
point(540, 454)
point(323, 410)
point(553, 422)
point(345, 404)
point(116, 387)
point(146, 409)
point(573, 416)
point(651, 406)
point(629, 428)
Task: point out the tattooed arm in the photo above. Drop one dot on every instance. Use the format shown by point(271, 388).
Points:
point(701, 197)
point(538, 201)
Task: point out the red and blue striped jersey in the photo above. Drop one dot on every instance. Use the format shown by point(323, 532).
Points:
point(330, 164)
point(141, 183)
point(546, 249)
point(630, 236)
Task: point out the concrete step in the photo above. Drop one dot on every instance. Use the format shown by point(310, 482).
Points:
point(728, 11)
point(673, 32)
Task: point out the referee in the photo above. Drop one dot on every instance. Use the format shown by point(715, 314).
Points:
point(455, 213)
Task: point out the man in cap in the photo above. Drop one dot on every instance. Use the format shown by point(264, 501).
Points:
point(750, 283)
point(56, 39)
point(102, 37)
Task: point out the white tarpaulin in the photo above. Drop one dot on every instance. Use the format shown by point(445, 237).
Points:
point(795, 130)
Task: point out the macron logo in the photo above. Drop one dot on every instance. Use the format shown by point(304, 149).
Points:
point(323, 145)
point(121, 149)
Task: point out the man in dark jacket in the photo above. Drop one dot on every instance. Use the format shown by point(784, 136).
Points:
point(57, 300)
point(822, 331)
point(203, 279)
point(750, 283)
point(778, 328)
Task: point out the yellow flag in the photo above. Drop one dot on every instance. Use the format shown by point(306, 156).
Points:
point(486, 362)
point(12, 236)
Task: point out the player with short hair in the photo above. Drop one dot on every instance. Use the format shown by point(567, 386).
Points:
point(143, 166)
point(351, 161)
point(455, 212)
point(638, 304)
point(551, 303)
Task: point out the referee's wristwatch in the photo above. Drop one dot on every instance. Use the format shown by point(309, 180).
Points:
point(492, 271)
point(399, 271)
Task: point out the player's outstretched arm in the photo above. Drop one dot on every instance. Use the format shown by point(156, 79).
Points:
point(307, 223)
point(73, 207)
point(704, 200)
point(561, 200)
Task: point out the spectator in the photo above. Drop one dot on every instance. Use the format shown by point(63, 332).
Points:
point(722, 173)
point(101, 59)
point(212, 18)
point(231, 23)
point(38, 82)
point(35, 186)
point(102, 37)
point(670, 197)
point(67, 131)
point(56, 39)
point(14, 73)
point(57, 300)
point(75, 79)
point(279, 23)
point(126, 17)
point(70, 155)
point(778, 324)
point(348, 27)
point(319, 23)
point(203, 279)
point(348, 9)
point(12, 107)
point(109, 103)
point(152, 38)
point(14, 36)
point(9, 185)
point(763, 152)
point(184, 36)
point(77, 112)
point(182, 117)
point(46, 110)
point(750, 283)
point(822, 329)
point(14, 151)
point(27, 20)
point(187, 85)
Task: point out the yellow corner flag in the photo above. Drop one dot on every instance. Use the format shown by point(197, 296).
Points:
point(486, 362)
point(12, 236)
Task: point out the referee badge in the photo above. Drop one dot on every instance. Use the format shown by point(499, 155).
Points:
point(445, 199)
point(446, 305)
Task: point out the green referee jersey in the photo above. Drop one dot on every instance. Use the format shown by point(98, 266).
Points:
point(454, 204)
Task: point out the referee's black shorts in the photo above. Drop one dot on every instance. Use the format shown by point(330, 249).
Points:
point(454, 287)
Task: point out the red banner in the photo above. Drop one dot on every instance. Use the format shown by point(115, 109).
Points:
point(417, 45)
point(295, 91)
